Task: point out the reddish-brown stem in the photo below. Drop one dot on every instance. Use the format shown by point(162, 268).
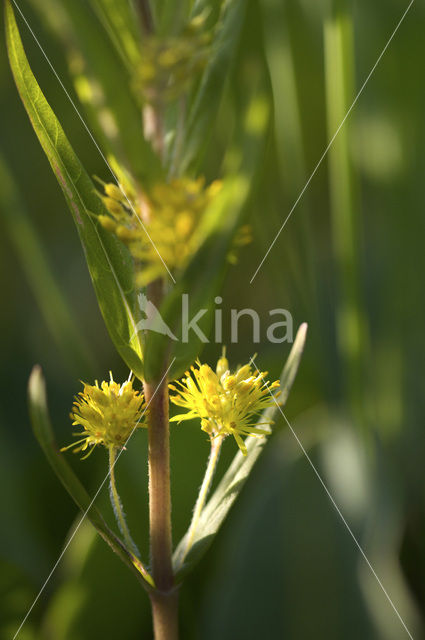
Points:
point(164, 599)
point(159, 484)
point(146, 15)
point(164, 613)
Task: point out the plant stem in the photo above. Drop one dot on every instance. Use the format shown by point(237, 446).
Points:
point(116, 504)
point(146, 16)
point(159, 484)
point(164, 599)
point(164, 614)
point(203, 492)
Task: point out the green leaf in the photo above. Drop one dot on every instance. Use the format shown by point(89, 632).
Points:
point(206, 102)
point(218, 506)
point(44, 433)
point(123, 26)
point(170, 16)
point(109, 263)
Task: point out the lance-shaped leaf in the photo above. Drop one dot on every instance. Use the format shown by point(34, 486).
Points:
point(169, 16)
point(44, 433)
point(218, 506)
point(206, 102)
point(109, 262)
point(122, 23)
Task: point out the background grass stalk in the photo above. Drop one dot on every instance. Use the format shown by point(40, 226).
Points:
point(339, 76)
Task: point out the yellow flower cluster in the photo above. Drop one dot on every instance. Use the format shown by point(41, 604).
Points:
point(169, 63)
point(226, 402)
point(168, 232)
point(108, 414)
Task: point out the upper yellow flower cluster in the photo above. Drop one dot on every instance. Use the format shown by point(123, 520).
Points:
point(169, 63)
point(161, 226)
point(108, 414)
point(226, 402)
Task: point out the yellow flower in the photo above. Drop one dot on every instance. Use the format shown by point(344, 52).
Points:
point(108, 414)
point(171, 215)
point(168, 64)
point(226, 402)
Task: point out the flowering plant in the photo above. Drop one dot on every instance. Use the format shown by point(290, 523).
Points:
point(163, 230)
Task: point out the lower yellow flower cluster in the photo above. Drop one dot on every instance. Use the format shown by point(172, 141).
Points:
point(227, 404)
point(108, 414)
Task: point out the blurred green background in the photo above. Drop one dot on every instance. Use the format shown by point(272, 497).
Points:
point(350, 262)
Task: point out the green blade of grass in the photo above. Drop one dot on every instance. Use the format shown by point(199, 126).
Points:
point(47, 292)
point(350, 319)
